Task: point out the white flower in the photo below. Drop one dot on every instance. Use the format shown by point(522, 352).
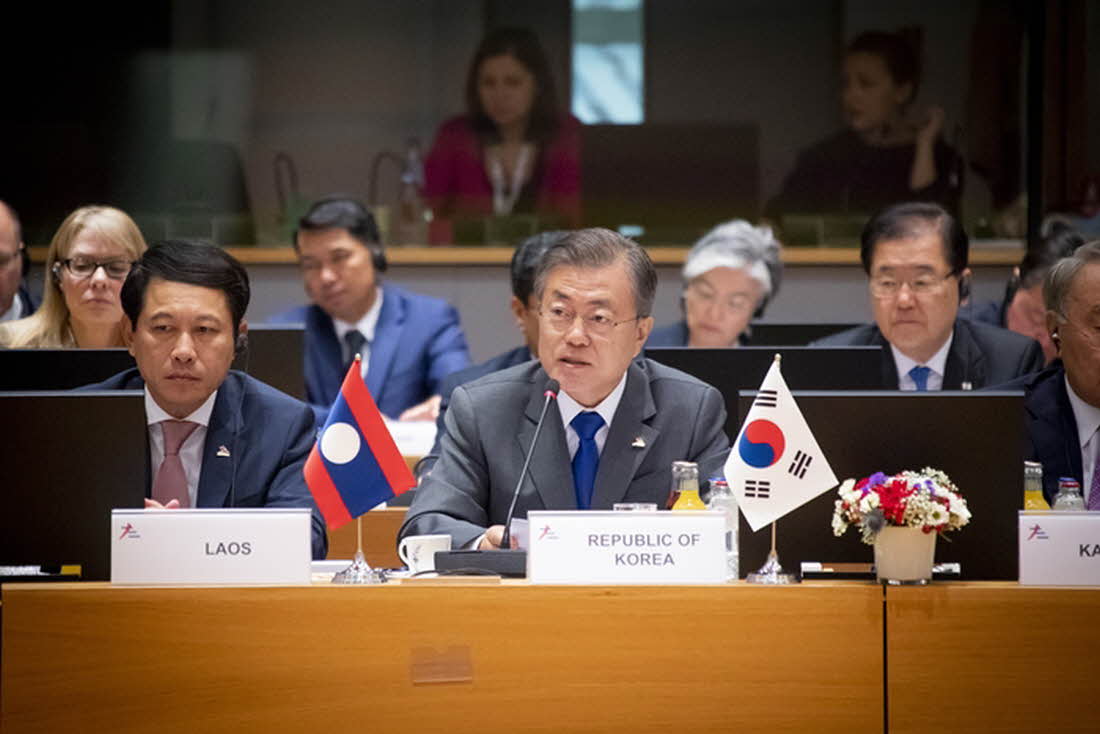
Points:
point(937, 515)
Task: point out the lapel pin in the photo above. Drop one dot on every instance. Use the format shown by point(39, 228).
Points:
point(223, 451)
point(638, 443)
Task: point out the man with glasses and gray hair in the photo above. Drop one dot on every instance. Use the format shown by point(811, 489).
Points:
point(619, 423)
point(1063, 401)
point(15, 299)
point(915, 256)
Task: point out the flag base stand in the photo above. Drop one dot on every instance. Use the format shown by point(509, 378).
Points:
point(772, 573)
point(359, 572)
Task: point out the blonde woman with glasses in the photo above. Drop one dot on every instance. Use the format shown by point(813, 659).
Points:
point(88, 260)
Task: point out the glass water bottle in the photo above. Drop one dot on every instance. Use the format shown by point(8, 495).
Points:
point(1069, 495)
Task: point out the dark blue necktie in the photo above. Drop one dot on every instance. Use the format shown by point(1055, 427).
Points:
point(354, 341)
point(920, 377)
point(587, 458)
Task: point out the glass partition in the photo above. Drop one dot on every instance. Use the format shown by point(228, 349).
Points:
point(224, 119)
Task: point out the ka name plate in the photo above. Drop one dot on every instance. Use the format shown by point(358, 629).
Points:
point(1059, 548)
point(269, 547)
point(626, 547)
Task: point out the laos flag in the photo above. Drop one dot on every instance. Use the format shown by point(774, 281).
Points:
point(355, 465)
point(775, 465)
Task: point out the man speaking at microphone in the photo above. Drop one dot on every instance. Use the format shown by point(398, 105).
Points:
point(619, 422)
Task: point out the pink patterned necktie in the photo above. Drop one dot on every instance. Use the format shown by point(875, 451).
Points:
point(171, 482)
point(1094, 485)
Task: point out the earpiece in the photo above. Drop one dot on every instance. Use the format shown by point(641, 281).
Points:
point(378, 257)
point(241, 345)
point(964, 287)
point(55, 271)
point(1054, 336)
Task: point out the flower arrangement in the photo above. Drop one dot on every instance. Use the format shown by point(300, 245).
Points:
point(926, 499)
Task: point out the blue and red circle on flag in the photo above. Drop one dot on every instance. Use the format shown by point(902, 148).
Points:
point(761, 444)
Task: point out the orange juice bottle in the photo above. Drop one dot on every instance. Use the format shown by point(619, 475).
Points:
point(685, 484)
point(1033, 487)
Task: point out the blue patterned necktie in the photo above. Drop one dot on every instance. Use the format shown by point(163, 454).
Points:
point(587, 459)
point(920, 377)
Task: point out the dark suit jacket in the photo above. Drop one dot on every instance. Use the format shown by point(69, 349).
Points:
point(664, 416)
point(980, 354)
point(669, 335)
point(268, 435)
point(1051, 426)
point(418, 342)
point(25, 298)
point(511, 358)
point(676, 335)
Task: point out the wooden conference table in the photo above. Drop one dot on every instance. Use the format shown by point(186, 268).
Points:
point(953, 657)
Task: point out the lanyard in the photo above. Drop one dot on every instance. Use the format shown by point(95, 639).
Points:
point(505, 193)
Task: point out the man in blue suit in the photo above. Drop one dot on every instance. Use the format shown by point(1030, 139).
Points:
point(408, 342)
point(1063, 401)
point(216, 438)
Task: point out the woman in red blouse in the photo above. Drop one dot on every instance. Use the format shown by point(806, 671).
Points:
point(513, 152)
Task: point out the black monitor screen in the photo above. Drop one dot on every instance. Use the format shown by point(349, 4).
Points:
point(977, 438)
point(273, 355)
point(804, 368)
point(71, 458)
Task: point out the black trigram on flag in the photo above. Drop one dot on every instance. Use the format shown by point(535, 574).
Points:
point(766, 399)
point(758, 488)
point(800, 464)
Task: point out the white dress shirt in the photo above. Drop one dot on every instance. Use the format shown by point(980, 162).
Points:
point(1088, 421)
point(937, 364)
point(570, 408)
point(365, 326)
point(190, 452)
point(16, 310)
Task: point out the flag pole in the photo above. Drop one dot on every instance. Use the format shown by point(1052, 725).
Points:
point(772, 573)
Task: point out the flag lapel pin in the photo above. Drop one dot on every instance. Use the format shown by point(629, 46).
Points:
point(638, 443)
point(223, 452)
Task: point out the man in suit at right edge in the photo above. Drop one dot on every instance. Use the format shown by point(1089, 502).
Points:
point(618, 424)
point(1063, 401)
point(915, 256)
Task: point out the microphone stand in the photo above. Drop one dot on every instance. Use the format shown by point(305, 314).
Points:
point(505, 561)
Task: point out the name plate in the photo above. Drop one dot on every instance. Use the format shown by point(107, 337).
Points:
point(1059, 548)
point(626, 547)
point(268, 547)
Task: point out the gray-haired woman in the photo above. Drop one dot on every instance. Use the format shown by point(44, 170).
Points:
point(729, 277)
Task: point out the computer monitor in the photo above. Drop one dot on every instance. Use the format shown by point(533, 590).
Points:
point(274, 356)
point(773, 334)
point(804, 368)
point(71, 458)
point(977, 438)
point(59, 369)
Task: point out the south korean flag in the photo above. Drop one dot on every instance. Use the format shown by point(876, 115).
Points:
point(775, 465)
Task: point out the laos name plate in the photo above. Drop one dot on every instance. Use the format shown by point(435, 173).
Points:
point(269, 547)
point(580, 547)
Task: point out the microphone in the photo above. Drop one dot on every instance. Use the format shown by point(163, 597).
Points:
point(504, 561)
point(551, 393)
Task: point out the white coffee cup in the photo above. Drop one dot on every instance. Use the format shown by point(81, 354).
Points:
point(418, 551)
